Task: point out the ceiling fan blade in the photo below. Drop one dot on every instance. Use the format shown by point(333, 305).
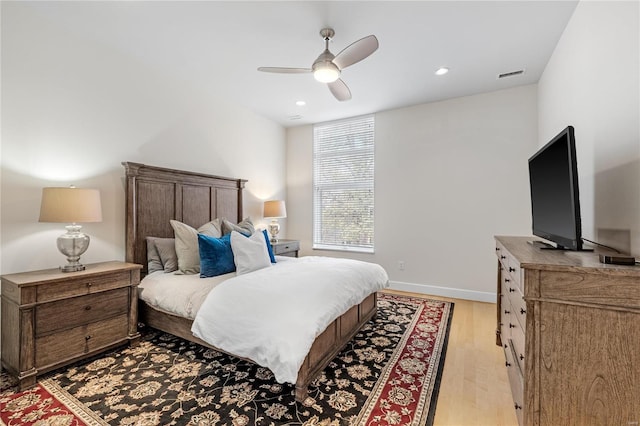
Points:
point(282, 70)
point(340, 90)
point(356, 51)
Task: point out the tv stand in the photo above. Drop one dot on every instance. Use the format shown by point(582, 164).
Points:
point(546, 246)
point(569, 327)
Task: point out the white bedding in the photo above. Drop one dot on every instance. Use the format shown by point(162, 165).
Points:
point(179, 295)
point(273, 315)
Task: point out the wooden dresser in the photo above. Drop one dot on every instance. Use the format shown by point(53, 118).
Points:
point(570, 329)
point(51, 318)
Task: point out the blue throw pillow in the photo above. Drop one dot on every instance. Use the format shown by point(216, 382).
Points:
point(269, 248)
point(216, 257)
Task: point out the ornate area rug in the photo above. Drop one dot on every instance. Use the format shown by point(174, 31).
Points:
point(388, 374)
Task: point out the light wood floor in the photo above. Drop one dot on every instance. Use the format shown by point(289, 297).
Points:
point(475, 387)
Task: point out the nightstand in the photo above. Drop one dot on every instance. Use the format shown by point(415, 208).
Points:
point(286, 248)
point(52, 318)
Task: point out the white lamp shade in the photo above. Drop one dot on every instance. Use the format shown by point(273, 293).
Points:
point(70, 205)
point(275, 208)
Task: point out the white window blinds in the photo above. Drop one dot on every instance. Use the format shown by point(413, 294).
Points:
point(343, 165)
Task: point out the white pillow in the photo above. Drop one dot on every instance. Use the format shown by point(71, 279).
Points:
point(249, 253)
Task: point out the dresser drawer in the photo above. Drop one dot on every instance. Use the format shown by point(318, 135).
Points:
point(517, 384)
point(518, 305)
point(517, 341)
point(502, 254)
point(82, 285)
point(286, 247)
point(76, 311)
point(505, 319)
point(60, 347)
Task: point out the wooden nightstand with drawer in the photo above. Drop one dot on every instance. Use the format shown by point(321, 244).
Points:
point(51, 318)
point(286, 248)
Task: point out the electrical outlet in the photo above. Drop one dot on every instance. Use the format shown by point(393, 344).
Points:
point(401, 265)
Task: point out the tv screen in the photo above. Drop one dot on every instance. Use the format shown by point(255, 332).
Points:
point(555, 205)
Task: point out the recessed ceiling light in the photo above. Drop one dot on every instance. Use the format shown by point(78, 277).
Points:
point(301, 103)
point(442, 71)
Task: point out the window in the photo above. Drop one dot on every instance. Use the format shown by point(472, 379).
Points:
point(343, 160)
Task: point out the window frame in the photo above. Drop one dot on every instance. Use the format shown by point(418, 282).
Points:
point(367, 153)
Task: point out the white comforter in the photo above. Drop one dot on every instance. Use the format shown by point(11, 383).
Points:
point(180, 295)
point(273, 315)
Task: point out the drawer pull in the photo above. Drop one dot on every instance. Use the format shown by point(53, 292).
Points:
point(87, 308)
point(511, 289)
point(503, 257)
point(87, 337)
point(521, 357)
point(507, 312)
point(507, 363)
point(518, 407)
point(507, 280)
point(497, 248)
point(511, 325)
point(512, 269)
point(522, 311)
point(505, 346)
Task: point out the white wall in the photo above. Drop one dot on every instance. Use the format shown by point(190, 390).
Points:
point(449, 176)
point(592, 83)
point(73, 109)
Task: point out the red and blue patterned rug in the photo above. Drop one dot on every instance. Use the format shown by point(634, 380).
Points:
point(389, 374)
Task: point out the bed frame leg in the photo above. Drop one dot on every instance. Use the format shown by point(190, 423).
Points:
point(301, 393)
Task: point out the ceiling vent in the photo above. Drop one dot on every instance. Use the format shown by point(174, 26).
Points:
point(510, 74)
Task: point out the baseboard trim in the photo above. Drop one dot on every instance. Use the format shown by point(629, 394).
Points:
point(456, 293)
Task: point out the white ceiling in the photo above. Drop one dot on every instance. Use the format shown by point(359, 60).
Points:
point(217, 46)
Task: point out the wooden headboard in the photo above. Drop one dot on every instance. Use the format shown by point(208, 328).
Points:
point(155, 195)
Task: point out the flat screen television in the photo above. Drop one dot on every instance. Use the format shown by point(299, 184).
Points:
point(555, 201)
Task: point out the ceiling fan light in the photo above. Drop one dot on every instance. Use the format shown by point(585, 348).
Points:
point(326, 73)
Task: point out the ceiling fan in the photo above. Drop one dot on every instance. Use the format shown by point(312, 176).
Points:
point(327, 67)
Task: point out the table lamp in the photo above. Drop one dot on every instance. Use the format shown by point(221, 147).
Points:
point(274, 209)
point(71, 205)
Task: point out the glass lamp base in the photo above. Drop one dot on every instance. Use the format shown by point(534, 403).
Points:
point(73, 244)
point(274, 229)
point(73, 268)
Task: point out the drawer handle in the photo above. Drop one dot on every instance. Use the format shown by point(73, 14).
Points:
point(507, 280)
point(507, 312)
point(507, 363)
point(518, 407)
point(87, 337)
point(503, 257)
point(497, 248)
point(87, 308)
point(521, 357)
point(511, 289)
point(511, 325)
point(505, 346)
point(522, 311)
point(512, 269)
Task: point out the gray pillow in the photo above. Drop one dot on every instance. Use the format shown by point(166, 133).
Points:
point(161, 254)
point(186, 244)
point(153, 257)
point(167, 250)
point(245, 227)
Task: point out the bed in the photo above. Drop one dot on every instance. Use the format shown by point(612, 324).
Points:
point(157, 195)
